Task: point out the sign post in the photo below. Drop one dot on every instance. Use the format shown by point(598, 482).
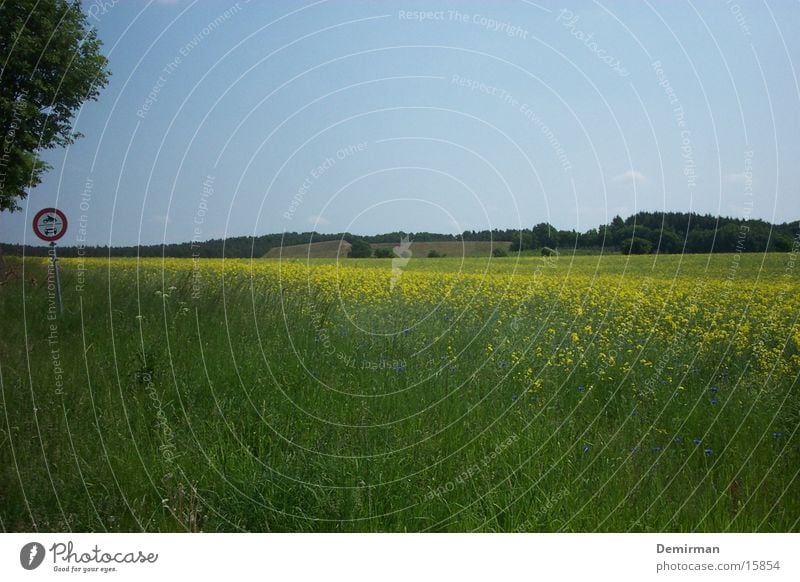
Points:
point(50, 224)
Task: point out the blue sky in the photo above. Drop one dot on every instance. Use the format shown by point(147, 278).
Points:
point(236, 118)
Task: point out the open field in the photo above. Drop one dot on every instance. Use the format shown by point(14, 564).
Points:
point(477, 248)
point(334, 249)
point(319, 250)
point(593, 393)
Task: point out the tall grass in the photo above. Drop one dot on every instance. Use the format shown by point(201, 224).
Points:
point(255, 406)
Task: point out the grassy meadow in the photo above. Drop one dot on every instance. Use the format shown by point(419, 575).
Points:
point(591, 393)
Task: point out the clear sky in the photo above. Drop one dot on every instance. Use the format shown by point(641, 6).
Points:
point(237, 118)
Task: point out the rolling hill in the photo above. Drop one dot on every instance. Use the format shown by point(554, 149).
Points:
point(339, 248)
point(329, 249)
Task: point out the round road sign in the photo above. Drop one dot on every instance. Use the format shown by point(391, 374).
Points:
point(50, 224)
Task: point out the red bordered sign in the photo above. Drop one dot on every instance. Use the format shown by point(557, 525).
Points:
point(50, 224)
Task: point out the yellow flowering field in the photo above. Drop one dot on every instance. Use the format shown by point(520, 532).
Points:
point(610, 393)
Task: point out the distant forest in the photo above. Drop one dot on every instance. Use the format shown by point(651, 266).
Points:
point(642, 233)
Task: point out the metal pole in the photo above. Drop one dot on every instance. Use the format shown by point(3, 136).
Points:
point(58, 279)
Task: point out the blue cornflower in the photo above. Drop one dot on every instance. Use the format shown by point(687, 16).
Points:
point(713, 401)
point(581, 388)
point(677, 440)
point(713, 389)
point(514, 397)
point(777, 434)
point(697, 440)
point(503, 364)
point(633, 449)
point(587, 447)
point(708, 452)
point(656, 449)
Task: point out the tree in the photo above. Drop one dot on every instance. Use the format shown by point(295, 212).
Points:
point(636, 246)
point(544, 235)
point(781, 243)
point(613, 231)
point(590, 238)
point(51, 65)
point(699, 241)
point(521, 241)
point(499, 252)
point(548, 252)
point(668, 241)
point(359, 249)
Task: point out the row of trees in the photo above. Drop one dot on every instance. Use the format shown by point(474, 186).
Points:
point(667, 232)
point(645, 232)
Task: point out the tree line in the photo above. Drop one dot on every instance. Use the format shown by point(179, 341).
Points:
point(644, 232)
point(667, 232)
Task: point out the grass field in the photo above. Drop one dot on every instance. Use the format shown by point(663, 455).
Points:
point(468, 248)
point(330, 249)
point(593, 393)
point(333, 249)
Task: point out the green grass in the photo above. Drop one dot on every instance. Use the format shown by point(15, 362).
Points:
point(244, 409)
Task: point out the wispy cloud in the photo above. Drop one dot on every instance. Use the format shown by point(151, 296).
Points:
point(318, 220)
point(630, 177)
